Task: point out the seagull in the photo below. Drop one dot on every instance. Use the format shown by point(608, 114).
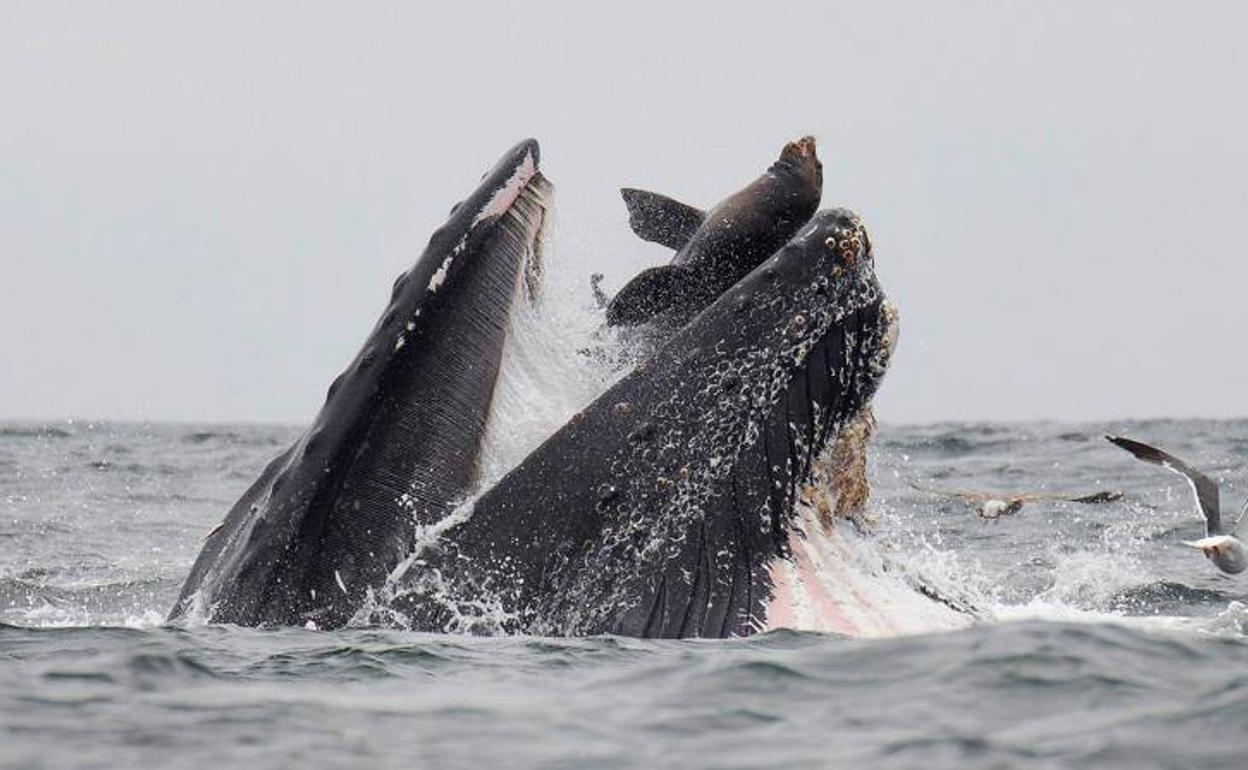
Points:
point(993, 505)
point(1227, 552)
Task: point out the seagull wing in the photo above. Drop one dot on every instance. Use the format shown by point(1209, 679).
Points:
point(1206, 489)
point(968, 497)
point(1104, 496)
point(1096, 498)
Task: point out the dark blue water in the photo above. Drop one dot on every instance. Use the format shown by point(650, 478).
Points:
point(1103, 642)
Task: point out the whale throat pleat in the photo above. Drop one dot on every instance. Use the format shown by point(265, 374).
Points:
point(747, 526)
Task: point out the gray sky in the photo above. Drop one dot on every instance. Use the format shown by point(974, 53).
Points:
point(202, 206)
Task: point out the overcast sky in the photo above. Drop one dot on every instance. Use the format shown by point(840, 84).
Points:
point(202, 206)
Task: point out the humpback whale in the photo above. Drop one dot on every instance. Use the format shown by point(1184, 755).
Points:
point(666, 508)
point(398, 437)
point(715, 248)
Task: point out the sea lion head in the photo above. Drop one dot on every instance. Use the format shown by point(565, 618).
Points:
point(799, 158)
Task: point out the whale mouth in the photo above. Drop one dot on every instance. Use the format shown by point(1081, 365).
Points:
point(503, 198)
point(512, 219)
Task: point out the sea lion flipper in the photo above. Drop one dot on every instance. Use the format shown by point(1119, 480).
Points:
point(659, 219)
point(649, 293)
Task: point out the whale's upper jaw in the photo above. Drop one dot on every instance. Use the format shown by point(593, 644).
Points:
point(819, 329)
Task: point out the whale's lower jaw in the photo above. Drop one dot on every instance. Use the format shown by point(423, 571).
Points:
point(832, 578)
point(397, 442)
point(836, 581)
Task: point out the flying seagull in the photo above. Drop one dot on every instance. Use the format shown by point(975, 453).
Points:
point(993, 505)
point(1225, 551)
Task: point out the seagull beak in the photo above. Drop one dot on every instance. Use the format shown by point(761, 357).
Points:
point(1209, 546)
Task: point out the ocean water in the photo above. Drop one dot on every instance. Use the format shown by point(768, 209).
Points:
point(1101, 641)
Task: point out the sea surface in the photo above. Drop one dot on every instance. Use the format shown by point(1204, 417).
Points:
point(1101, 642)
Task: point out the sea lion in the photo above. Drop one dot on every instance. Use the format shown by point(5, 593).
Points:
point(715, 248)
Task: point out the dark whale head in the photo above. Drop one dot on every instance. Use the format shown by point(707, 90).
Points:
point(397, 440)
point(663, 508)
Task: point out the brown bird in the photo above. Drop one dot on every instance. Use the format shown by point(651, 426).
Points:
point(993, 505)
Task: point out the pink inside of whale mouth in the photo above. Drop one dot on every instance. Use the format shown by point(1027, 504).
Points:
point(506, 195)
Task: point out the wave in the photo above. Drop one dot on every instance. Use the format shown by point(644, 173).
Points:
point(34, 431)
